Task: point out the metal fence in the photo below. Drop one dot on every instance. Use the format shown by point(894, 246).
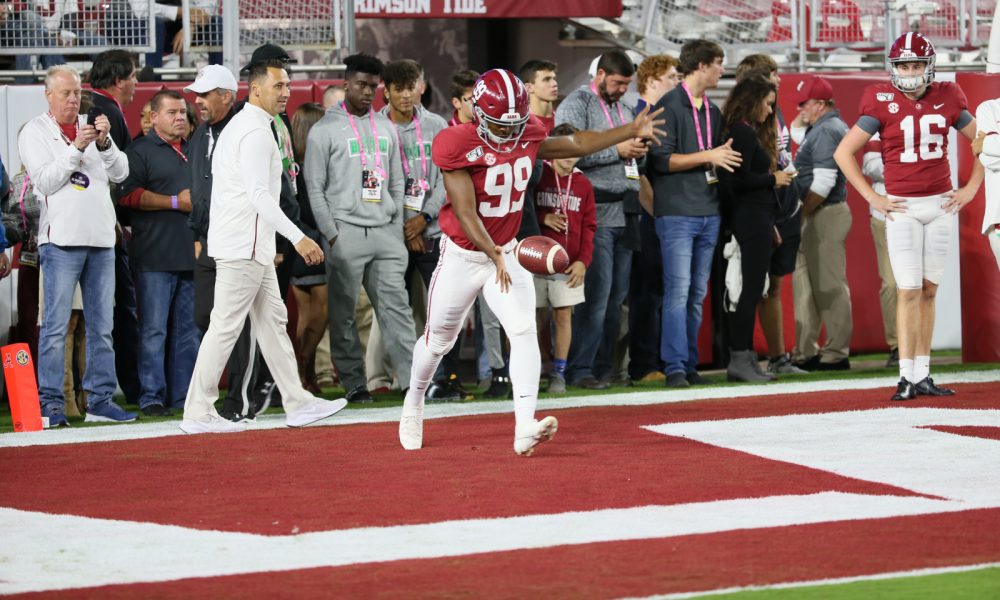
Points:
point(807, 26)
point(292, 24)
point(55, 27)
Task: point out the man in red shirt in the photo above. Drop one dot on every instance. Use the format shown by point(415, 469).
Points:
point(567, 213)
point(539, 77)
point(486, 166)
point(912, 117)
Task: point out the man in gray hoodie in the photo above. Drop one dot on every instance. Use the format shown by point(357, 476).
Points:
point(355, 181)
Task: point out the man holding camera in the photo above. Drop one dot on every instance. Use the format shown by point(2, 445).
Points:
point(72, 165)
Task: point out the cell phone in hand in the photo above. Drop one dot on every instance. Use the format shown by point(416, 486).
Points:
point(92, 115)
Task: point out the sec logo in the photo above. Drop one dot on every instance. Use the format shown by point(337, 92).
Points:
point(893, 107)
point(21, 357)
point(490, 159)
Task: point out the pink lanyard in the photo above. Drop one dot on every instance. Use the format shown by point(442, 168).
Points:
point(59, 127)
point(172, 147)
point(697, 124)
point(361, 143)
point(563, 200)
point(607, 114)
point(420, 146)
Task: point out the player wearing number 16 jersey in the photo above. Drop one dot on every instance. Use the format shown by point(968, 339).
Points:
point(486, 166)
point(913, 117)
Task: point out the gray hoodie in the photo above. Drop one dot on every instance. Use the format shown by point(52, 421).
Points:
point(430, 125)
point(333, 173)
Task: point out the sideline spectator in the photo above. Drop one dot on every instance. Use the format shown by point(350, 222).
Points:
point(461, 96)
point(191, 120)
point(333, 95)
point(21, 26)
point(655, 76)
point(145, 122)
point(72, 165)
point(215, 89)
point(158, 193)
point(822, 296)
point(113, 79)
point(752, 207)
point(986, 146)
point(566, 213)
point(788, 228)
point(127, 26)
point(355, 183)
point(247, 170)
point(21, 211)
point(684, 173)
point(614, 174)
point(540, 79)
point(415, 129)
point(308, 281)
point(873, 168)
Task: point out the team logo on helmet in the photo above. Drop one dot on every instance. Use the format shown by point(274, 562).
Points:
point(500, 104)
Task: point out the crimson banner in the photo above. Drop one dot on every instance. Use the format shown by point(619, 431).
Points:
point(485, 9)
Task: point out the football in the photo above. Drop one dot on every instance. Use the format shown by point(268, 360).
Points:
point(541, 255)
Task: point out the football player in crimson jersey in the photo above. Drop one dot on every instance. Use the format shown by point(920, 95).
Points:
point(912, 117)
point(486, 165)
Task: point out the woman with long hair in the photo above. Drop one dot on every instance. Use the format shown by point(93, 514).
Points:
point(308, 282)
point(751, 206)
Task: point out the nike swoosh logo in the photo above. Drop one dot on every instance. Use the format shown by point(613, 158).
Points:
point(937, 106)
point(524, 145)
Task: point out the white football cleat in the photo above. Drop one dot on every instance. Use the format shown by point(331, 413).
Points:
point(529, 435)
point(212, 424)
point(411, 431)
point(315, 410)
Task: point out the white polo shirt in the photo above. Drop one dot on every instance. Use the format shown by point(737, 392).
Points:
point(73, 187)
point(988, 120)
point(246, 187)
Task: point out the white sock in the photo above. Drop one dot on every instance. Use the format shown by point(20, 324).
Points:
point(906, 369)
point(921, 368)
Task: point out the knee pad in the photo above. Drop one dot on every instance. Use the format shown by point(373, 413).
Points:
point(937, 239)
point(437, 343)
point(905, 241)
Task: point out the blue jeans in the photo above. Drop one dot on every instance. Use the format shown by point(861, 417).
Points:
point(687, 245)
point(596, 321)
point(94, 269)
point(169, 338)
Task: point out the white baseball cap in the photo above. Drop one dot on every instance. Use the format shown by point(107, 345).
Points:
point(212, 77)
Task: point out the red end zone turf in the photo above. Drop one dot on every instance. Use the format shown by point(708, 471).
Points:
point(274, 482)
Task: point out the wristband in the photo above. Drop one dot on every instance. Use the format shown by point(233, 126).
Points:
point(173, 202)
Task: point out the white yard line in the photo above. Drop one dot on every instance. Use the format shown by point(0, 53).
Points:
point(71, 435)
point(818, 582)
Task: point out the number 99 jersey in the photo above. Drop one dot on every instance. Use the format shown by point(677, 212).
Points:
point(914, 135)
point(499, 179)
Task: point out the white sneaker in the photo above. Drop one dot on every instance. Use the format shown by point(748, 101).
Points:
point(316, 410)
point(212, 424)
point(527, 436)
point(411, 431)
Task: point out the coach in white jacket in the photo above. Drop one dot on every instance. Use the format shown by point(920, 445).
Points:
point(987, 146)
point(246, 172)
point(71, 166)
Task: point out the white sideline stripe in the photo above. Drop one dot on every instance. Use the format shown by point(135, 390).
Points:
point(136, 431)
point(49, 552)
point(819, 582)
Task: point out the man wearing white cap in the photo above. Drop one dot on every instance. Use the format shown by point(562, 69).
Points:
point(216, 89)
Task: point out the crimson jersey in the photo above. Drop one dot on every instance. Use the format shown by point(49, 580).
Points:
point(915, 135)
point(499, 178)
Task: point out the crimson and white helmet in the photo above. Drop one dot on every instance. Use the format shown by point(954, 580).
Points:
point(499, 98)
point(911, 47)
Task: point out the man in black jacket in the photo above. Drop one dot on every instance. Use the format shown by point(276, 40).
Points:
point(113, 79)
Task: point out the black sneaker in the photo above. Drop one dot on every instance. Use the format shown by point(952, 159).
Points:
point(592, 383)
point(232, 415)
point(359, 395)
point(809, 364)
point(456, 386)
point(843, 364)
point(499, 387)
point(905, 390)
point(695, 378)
point(439, 391)
point(156, 410)
point(677, 380)
point(893, 361)
point(926, 387)
point(263, 397)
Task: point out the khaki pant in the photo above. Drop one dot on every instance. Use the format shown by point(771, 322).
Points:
point(820, 285)
point(887, 292)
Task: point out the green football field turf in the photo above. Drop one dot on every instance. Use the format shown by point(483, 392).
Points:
point(982, 584)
